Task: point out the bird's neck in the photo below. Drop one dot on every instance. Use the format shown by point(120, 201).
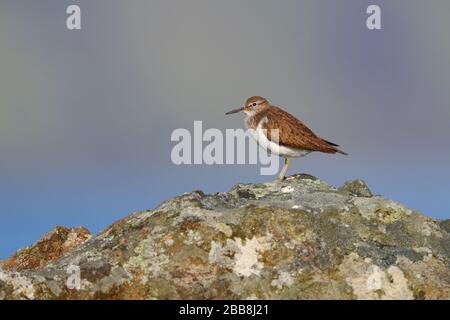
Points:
point(253, 118)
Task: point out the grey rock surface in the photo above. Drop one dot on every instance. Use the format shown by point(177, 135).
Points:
point(298, 239)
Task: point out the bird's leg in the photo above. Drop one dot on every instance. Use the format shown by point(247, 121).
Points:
point(287, 162)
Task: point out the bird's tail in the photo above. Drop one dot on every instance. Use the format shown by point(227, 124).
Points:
point(335, 147)
point(341, 152)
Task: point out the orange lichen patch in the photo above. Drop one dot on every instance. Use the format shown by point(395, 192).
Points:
point(194, 270)
point(116, 225)
point(190, 224)
point(52, 246)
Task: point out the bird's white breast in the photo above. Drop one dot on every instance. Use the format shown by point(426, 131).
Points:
point(259, 134)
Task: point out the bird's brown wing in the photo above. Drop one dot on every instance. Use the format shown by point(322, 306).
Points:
point(293, 133)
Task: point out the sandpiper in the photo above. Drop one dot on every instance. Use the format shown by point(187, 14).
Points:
point(281, 133)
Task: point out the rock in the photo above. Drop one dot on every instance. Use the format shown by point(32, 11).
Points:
point(52, 246)
point(356, 187)
point(298, 239)
point(445, 225)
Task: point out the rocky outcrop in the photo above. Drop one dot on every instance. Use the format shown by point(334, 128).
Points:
point(298, 239)
point(52, 246)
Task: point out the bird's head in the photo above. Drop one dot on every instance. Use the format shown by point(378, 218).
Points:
point(252, 105)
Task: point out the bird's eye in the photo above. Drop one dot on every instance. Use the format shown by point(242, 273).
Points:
point(254, 104)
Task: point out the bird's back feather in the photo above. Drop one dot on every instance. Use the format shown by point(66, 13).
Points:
point(291, 131)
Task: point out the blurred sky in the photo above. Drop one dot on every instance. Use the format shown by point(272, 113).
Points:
point(86, 116)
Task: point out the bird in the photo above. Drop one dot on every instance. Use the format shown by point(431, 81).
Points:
point(294, 139)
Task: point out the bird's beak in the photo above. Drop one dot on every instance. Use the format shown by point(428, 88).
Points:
point(235, 110)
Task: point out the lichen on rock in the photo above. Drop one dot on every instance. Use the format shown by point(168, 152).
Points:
point(297, 239)
point(52, 246)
